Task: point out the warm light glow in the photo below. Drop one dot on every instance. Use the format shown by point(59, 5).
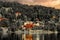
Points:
point(48, 3)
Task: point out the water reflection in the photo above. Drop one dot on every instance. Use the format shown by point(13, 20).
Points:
point(42, 37)
point(14, 36)
point(50, 37)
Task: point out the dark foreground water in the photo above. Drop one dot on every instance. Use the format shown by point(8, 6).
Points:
point(14, 36)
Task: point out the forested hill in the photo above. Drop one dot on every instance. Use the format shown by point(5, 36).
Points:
point(32, 10)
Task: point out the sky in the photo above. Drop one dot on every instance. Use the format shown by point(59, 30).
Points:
point(48, 3)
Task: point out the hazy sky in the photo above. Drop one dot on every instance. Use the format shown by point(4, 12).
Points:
point(50, 3)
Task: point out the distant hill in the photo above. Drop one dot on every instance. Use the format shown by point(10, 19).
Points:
point(30, 9)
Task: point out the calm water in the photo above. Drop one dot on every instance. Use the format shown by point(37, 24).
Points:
point(14, 36)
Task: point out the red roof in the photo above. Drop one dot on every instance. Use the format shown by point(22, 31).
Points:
point(28, 26)
point(17, 12)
